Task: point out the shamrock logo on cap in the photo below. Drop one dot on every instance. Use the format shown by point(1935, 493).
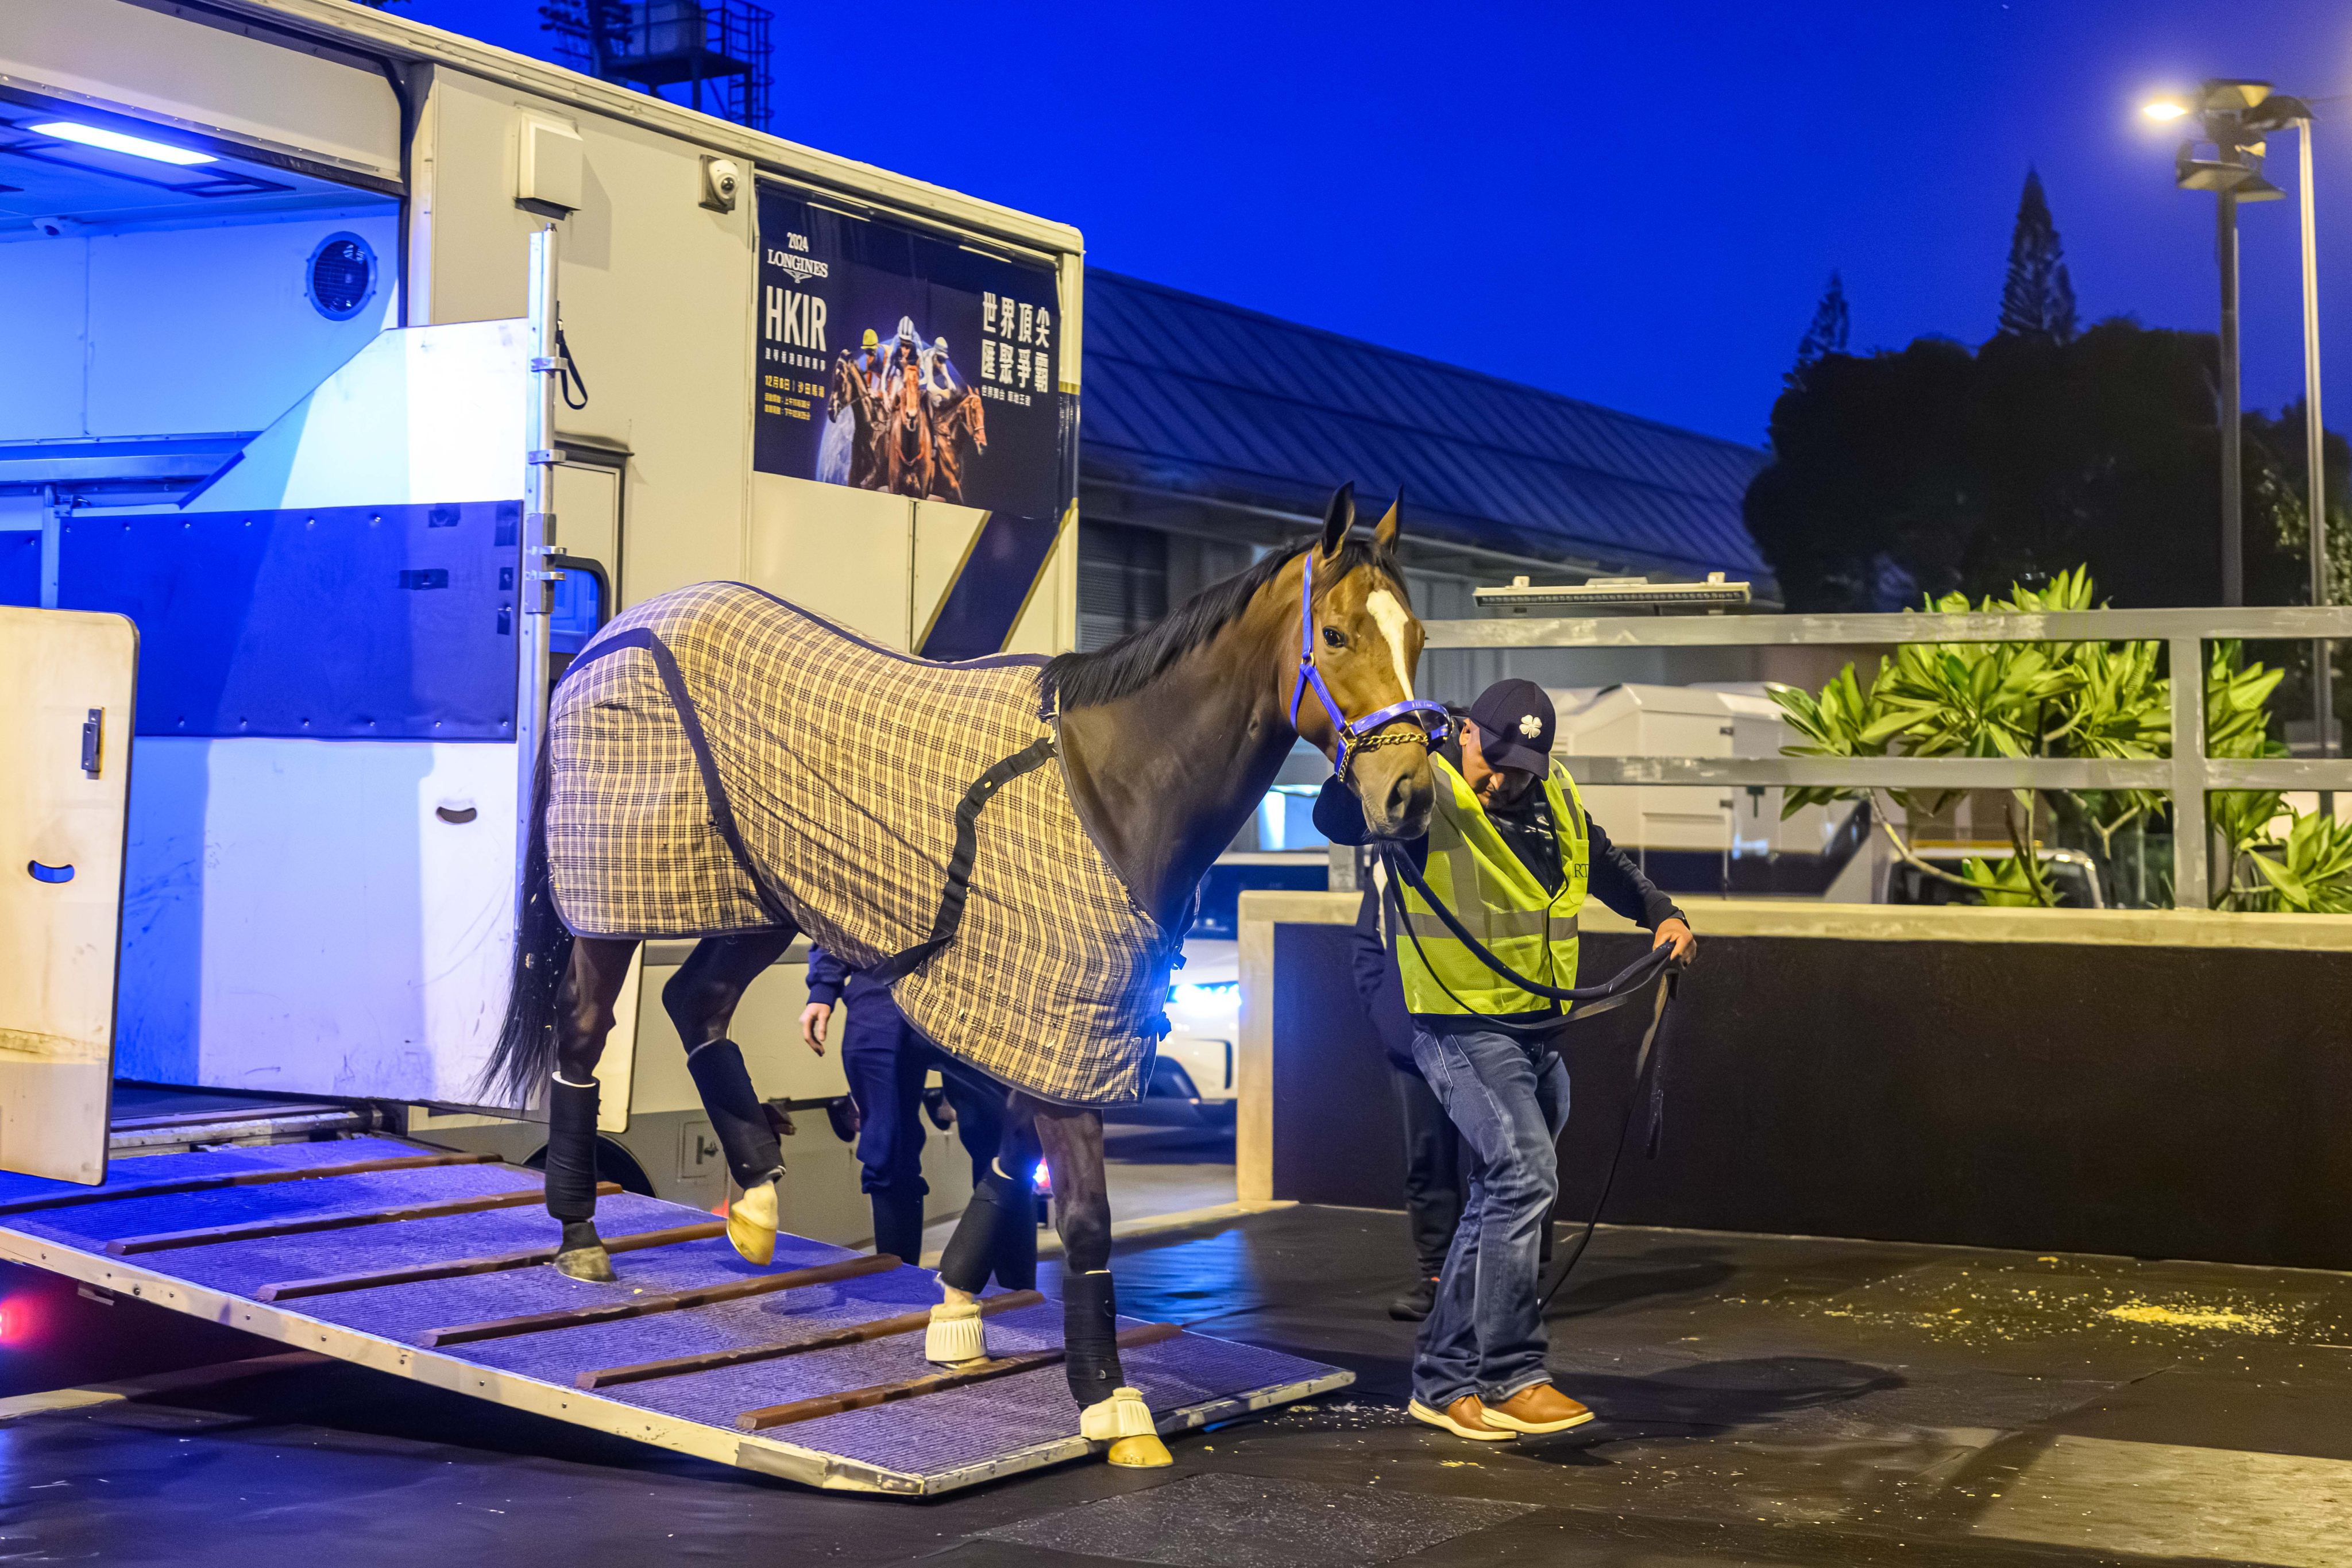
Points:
point(1530, 726)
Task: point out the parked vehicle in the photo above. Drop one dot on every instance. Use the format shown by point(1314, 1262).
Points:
point(2071, 872)
point(1192, 1077)
point(1716, 841)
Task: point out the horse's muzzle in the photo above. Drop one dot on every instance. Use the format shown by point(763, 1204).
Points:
point(1397, 790)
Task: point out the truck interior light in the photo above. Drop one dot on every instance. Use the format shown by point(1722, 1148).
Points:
point(117, 142)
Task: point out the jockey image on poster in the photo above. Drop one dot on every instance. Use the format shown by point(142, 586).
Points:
point(893, 360)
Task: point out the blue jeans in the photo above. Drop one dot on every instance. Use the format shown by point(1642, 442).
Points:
point(1508, 1099)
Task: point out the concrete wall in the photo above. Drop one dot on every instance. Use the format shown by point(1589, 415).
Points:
point(2157, 1084)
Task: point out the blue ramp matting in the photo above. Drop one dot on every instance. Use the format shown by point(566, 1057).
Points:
point(923, 1446)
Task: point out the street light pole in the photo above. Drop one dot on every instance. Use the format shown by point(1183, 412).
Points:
point(2314, 445)
point(2233, 501)
point(2232, 115)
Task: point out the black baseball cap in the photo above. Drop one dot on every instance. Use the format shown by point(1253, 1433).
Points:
point(1515, 724)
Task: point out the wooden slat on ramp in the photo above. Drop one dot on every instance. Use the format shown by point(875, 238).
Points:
point(669, 1301)
point(529, 1257)
point(881, 1328)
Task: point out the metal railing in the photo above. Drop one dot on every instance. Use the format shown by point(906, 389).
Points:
point(2186, 776)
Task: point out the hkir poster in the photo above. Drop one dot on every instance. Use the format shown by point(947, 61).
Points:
point(898, 361)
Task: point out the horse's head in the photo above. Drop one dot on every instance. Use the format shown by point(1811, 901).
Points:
point(973, 424)
point(1360, 632)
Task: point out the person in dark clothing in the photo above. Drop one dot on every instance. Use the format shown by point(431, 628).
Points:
point(886, 1063)
point(1510, 855)
point(1433, 1151)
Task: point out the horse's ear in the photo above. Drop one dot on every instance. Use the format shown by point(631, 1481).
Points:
point(1391, 524)
point(1338, 518)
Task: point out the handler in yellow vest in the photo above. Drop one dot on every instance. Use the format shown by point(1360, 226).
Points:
point(1513, 855)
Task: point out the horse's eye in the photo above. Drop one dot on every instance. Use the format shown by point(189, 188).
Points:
point(1334, 638)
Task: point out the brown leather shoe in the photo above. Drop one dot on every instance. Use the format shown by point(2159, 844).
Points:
point(1466, 1417)
point(1538, 1408)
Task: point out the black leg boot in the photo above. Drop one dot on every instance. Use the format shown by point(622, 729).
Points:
point(1016, 1238)
point(999, 1208)
point(1090, 1335)
point(998, 1205)
point(572, 1179)
point(754, 1157)
point(1109, 1411)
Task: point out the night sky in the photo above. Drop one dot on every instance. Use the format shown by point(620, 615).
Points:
point(1635, 205)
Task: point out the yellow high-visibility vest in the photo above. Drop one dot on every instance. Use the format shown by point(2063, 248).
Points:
point(1497, 900)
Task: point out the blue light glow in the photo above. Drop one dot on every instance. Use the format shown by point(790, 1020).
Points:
point(1217, 995)
point(116, 142)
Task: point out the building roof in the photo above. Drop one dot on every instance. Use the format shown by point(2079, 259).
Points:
point(1190, 396)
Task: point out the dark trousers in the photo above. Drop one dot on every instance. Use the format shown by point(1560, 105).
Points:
point(885, 1062)
point(1432, 1171)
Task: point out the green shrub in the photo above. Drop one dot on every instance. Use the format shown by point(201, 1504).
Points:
point(2091, 699)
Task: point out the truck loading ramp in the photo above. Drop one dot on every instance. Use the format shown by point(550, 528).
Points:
point(438, 1266)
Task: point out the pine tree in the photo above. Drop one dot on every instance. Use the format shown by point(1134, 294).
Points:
point(1827, 334)
point(2038, 298)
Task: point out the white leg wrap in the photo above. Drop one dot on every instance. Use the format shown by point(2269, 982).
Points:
point(957, 1333)
point(1123, 1415)
point(751, 1224)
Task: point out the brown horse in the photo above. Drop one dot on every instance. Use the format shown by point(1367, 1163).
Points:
point(1170, 739)
point(958, 418)
point(908, 451)
point(850, 391)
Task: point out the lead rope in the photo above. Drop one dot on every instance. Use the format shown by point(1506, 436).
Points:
point(1643, 1060)
point(1611, 993)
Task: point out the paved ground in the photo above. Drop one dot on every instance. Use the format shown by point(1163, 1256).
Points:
point(1767, 1400)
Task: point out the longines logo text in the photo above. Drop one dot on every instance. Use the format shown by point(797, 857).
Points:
point(796, 261)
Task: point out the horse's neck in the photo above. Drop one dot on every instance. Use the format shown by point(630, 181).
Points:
point(1166, 778)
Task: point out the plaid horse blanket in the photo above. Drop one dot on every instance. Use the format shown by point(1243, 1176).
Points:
point(723, 761)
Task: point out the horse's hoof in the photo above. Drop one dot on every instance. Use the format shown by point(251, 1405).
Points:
point(1124, 1422)
point(1141, 1453)
point(589, 1261)
point(957, 1335)
point(592, 1263)
point(581, 1254)
point(751, 1224)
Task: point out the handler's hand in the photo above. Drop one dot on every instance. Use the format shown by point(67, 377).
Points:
point(813, 1018)
point(1686, 944)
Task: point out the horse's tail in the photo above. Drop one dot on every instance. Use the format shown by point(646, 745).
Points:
point(525, 1053)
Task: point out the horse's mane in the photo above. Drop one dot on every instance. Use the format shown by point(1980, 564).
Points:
point(1136, 659)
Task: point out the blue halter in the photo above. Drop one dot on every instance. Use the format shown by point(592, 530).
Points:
point(1431, 716)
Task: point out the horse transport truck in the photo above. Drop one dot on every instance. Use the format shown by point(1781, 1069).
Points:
point(366, 369)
